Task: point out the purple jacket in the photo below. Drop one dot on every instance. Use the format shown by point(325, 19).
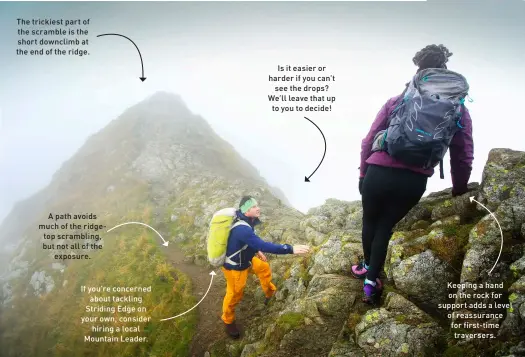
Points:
point(461, 149)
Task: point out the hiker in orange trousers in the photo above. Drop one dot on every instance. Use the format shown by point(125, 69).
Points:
point(244, 254)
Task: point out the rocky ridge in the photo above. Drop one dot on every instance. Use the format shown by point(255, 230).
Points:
point(317, 311)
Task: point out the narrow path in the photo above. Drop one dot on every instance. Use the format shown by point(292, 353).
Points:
point(209, 326)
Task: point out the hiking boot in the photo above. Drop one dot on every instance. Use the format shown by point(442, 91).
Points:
point(267, 300)
point(359, 271)
point(372, 294)
point(232, 330)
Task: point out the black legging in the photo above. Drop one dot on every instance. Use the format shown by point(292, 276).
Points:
point(388, 195)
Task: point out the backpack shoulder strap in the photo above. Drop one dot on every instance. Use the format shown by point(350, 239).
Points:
point(228, 259)
point(238, 222)
point(400, 103)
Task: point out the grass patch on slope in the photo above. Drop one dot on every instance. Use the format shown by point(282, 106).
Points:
point(51, 325)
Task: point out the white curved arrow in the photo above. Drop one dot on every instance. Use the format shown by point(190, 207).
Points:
point(500, 231)
point(144, 224)
point(185, 312)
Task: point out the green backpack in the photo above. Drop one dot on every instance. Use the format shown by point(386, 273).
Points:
point(222, 222)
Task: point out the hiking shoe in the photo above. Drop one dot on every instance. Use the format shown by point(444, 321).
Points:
point(359, 271)
point(268, 299)
point(372, 294)
point(232, 330)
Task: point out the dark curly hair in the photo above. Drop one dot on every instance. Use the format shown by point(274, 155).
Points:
point(432, 56)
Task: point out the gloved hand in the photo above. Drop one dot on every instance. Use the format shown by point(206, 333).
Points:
point(361, 185)
point(300, 249)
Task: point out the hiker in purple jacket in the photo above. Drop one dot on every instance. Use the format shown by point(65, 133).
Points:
point(390, 188)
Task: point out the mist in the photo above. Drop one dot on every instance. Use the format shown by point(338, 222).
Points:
point(218, 56)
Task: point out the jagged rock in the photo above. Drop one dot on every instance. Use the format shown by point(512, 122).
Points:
point(485, 238)
point(335, 214)
point(420, 225)
point(346, 349)
point(314, 237)
point(309, 326)
point(518, 350)
point(307, 308)
point(41, 283)
point(457, 206)
point(419, 212)
point(294, 285)
point(292, 289)
point(452, 220)
point(7, 293)
point(250, 350)
point(317, 223)
point(514, 323)
point(16, 269)
point(333, 294)
point(402, 246)
point(518, 267)
point(425, 276)
point(345, 345)
point(436, 224)
point(477, 262)
point(320, 283)
point(398, 329)
point(334, 301)
point(338, 254)
point(354, 219)
point(504, 169)
point(439, 205)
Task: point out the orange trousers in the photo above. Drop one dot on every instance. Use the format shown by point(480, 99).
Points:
point(236, 281)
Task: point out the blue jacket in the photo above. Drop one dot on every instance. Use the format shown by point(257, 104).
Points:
point(242, 235)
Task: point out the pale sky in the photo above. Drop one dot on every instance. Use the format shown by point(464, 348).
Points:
point(218, 56)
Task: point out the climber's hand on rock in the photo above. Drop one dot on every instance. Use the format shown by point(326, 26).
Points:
point(301, 249)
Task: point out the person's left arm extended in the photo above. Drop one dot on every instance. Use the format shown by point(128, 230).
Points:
point(256, 243)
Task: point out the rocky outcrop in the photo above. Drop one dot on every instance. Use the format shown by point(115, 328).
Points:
point(338, 254)
point(41, 283)
point(160, 153)
point(424, 276)
point(442, 240)
point(398, 329)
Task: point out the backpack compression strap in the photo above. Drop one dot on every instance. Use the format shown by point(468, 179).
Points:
point(228, 259)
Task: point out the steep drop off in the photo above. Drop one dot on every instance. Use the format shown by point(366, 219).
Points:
point(158, 164)
point(162, 165)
